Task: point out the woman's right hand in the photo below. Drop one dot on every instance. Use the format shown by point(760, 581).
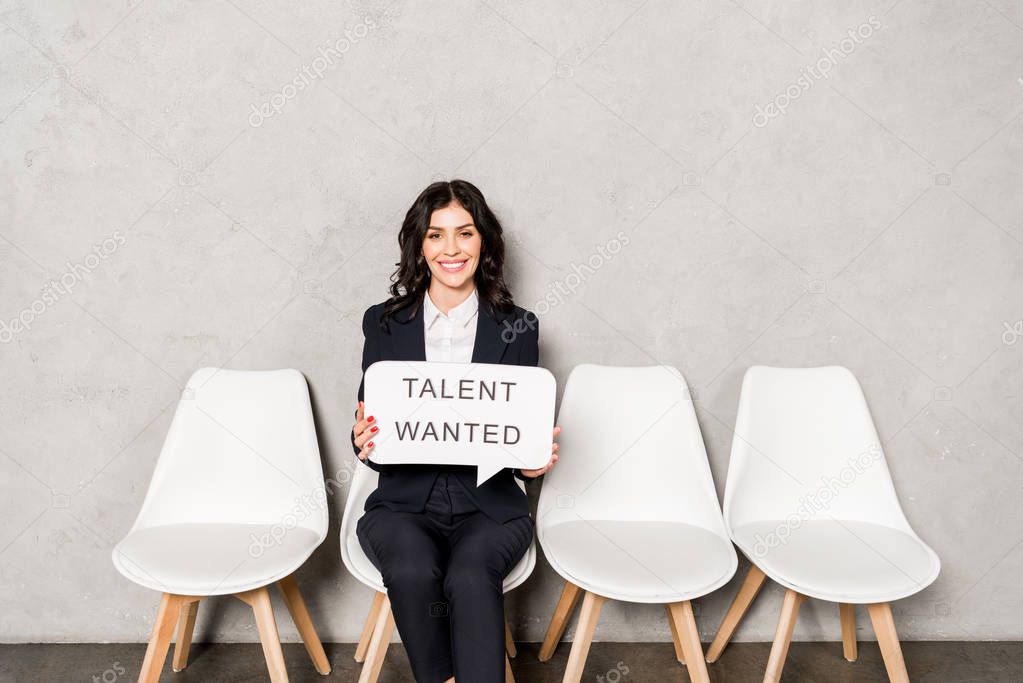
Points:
point(364, 430)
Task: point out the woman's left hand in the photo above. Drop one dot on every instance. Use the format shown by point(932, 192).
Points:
point(554, 458)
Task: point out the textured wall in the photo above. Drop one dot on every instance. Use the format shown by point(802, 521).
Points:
point(799, 183)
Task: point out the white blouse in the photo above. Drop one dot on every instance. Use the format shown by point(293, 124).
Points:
point(450, 337)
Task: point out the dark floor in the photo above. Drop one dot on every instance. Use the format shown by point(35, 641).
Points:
point(607, 663)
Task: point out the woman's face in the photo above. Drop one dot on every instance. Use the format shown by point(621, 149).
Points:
point(452, 247)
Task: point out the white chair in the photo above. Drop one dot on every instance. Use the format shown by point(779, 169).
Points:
point(379, 626)
point(630, 511)
point(810, 501)
point(235, 504)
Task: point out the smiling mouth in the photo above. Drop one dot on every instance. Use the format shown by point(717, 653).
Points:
point(452, 266)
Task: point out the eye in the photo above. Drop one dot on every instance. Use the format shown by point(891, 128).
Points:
point(466, 233)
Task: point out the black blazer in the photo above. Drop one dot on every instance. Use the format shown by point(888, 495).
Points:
point(505, 338)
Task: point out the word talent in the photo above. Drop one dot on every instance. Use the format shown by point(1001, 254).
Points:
point(465, 432)
point(468, 389)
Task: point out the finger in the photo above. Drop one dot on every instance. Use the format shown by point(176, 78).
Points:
point(361, 411)
point(366, 435)
point(557, 430)
point(367, 450)
point(361, 425)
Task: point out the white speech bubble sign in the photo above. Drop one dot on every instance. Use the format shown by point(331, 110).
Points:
point(483, 414)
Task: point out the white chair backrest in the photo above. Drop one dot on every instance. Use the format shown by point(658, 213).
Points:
point(364, 482)
point(805, 446)
point(630, 450)
point(241, 449)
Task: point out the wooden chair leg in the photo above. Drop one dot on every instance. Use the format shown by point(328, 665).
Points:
point(751, 585)
point(509, 642)
point(268, 634)
point(183, 641)
point(509, 677)
point(159, 642)
point(679, 654)
point(847, 614)
point(382, 631)
point(783, 635)
point(300, 615)
point(888, 640)
point(685, 622)
point(367, 628)
point(588, 616)
point(566, 603)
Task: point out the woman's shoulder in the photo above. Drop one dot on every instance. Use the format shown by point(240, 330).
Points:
point(375, 309)
point(519, 313)
point(518, 321)
point(371, 317)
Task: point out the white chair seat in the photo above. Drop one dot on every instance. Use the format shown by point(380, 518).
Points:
point(840, 561)
point(640, 561)
point(211, 559)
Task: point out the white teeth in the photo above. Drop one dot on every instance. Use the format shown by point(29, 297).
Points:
point(452, 266)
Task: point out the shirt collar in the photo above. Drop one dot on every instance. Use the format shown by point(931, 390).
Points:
point(462, 314)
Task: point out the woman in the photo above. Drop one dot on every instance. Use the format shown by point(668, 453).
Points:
point(443, 545)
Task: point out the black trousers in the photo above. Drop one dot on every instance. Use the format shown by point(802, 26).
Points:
point(444, 571)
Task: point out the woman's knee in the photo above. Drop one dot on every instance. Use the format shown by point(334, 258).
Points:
point(410, 575)
point(472, 581)
point(399, 546)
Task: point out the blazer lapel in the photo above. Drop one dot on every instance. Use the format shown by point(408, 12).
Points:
point(409, 336)
point(490, 344)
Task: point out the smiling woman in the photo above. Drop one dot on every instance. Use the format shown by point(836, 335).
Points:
point(451, 244)
point(452, 247)
point(443, 541)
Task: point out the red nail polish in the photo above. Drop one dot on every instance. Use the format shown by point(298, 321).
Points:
point(374, 429)
point(370, 444)
point(370, 418)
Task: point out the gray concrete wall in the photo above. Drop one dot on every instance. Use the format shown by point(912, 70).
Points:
point(201, 209)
